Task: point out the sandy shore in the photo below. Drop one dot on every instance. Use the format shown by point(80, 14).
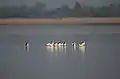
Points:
point(21, 21)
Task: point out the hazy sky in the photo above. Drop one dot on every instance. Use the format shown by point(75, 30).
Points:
point(58, 3)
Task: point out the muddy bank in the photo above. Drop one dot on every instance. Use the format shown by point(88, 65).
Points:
point(20, 21)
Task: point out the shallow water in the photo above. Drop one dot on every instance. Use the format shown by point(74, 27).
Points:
point(100, 60)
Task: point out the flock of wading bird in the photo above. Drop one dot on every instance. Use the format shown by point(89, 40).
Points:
point(53, 44)
point(74, 44)
point(61, 46)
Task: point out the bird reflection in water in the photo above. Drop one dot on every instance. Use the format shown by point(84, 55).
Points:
point(80, 47)
point(49, 49)
point(65, 50)
point(57, 48)
point(60, 47)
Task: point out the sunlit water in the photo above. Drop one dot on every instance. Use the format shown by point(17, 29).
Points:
point(98, 60)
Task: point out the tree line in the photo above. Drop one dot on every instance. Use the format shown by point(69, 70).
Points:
point(39, 11)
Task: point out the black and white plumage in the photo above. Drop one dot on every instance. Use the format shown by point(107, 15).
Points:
point(54, 44)
point(82, 43)
point(73, 44)
point(27, 46)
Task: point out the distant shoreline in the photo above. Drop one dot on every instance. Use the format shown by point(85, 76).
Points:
point(39, 21)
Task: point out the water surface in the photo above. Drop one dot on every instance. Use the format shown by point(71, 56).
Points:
point(100, 61)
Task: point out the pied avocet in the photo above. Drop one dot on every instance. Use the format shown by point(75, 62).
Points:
point(64, 44)
point(73, 43)
point(27, 45)
point(50, 44)
point(82, 43)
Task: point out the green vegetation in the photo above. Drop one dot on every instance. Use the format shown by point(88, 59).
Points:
point(39, 11)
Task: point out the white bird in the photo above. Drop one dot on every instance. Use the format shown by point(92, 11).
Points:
point(74, 44)
point(82, 43)
point(64, 43)
point(59, 43)
point(55, 44)
point(50, 44)
point(27, 46)
point(82, 47)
